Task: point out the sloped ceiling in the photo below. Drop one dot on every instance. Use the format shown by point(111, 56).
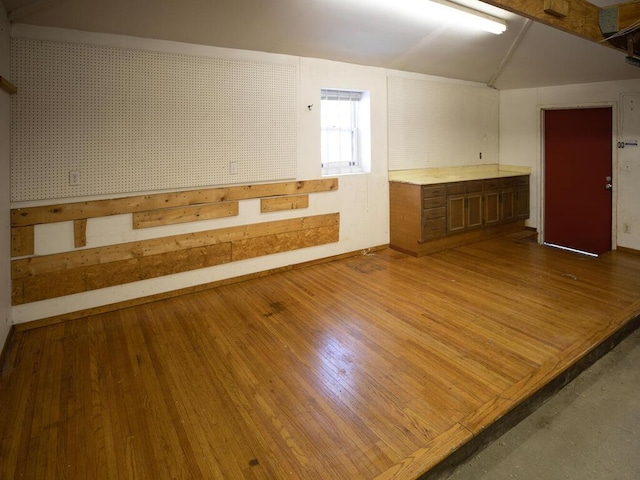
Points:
point(352, 31)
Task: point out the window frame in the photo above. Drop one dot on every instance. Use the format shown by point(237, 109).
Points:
point(358, 129)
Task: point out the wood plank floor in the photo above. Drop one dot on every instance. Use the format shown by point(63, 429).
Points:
point(373, 367)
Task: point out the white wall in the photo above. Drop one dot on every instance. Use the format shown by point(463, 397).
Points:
point(362, 199)
point(521, 144)
point(5, 234)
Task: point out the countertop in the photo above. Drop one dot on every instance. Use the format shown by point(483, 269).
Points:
point(432, 176)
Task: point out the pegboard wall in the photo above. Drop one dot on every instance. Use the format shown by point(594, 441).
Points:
point(130, 120)
point(436, 124)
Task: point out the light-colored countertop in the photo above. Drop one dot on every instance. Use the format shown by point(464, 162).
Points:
point(432, 176)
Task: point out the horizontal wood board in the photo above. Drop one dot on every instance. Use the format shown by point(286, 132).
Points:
point(373, 367)
point(278, 204)
point(171, 216)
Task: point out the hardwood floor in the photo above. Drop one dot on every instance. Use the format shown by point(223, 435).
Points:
point(373, 367)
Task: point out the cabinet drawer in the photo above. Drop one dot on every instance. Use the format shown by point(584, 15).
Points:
point(434, 202)
point(433, 213)
point(491, 184)
point(433, 191)
point(508, 182)
point(474, 186)
point(456, 188)
point(522, 181)
point(434, 228)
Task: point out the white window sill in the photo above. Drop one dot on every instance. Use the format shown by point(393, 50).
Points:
point(332, 172)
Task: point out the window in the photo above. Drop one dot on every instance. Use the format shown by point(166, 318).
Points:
point(345, 132)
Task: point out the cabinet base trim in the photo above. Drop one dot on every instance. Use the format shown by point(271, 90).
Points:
point(459, 239)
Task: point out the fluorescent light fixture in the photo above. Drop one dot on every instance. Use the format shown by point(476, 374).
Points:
point(443, 11)
point(462, 15)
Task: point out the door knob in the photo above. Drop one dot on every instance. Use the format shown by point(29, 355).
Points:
point(608, 186)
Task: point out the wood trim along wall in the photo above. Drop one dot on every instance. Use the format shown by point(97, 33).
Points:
point(67, 317)
point(628, 250)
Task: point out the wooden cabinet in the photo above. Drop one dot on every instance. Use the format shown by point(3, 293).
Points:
point(425, 215)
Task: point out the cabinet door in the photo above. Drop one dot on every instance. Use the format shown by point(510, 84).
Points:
point(474, 210)
point(522, 203)
point(508, 205)
point(455, 214)
point(522, 197)
point(491, 208)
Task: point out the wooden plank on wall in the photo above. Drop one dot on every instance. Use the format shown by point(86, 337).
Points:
point(291, 202)
point(80, 232)
point(101, 208)
point(170, 216)
point(82, 279)
point(284, 242)
point(22, 241)
point(34, 266)
point(51, 276)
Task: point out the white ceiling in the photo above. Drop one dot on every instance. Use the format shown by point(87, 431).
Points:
point(350, 31)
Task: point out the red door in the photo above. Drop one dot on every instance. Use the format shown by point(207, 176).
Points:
point(577, 161)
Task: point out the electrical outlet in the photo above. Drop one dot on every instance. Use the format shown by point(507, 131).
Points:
point(233, 168)
point(626, 228)
point(74, 178)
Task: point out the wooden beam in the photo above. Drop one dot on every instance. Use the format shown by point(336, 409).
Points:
point(557, 8)
point(582, 18)
point(628, 14)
